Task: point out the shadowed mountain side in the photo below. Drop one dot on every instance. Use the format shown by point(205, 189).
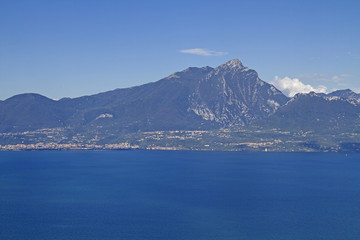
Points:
point(31, 111)
point(160, 105)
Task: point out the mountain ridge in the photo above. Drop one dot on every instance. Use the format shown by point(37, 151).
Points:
point(195, 98)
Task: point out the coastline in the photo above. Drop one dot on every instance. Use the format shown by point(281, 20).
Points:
point(22, 147)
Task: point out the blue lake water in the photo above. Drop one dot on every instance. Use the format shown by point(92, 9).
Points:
point(179, 195)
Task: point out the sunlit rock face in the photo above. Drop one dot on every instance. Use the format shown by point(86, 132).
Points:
point(232, 94)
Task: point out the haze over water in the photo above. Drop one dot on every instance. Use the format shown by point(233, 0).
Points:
point(179, 195)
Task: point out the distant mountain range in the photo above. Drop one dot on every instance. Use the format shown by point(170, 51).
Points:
point(337, 111)
point(227, 96)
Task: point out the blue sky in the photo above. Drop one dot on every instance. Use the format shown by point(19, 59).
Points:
point(74, 48)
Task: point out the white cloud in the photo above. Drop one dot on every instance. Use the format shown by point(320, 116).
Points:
point(356, 90)
point(203, 52)
point(292, 86)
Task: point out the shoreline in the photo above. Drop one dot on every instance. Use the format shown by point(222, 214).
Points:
point(2, 149)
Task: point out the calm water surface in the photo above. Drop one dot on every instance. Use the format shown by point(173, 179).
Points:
point(179, 195)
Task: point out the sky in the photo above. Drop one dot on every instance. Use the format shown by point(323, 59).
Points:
point(75, 48)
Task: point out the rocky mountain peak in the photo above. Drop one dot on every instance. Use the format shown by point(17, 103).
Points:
point(309, 94)
point(343, 93)
point(232, 64)
point(191, 72)
point(346, 94)
point(232, 94)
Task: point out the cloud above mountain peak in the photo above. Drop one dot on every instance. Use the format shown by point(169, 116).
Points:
point(291, 86)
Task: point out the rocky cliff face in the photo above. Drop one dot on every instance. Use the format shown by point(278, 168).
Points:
point(232, 94)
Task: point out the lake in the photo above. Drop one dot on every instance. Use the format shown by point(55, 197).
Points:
point(159, 195)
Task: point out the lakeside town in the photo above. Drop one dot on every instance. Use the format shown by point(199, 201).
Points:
point(216, 140)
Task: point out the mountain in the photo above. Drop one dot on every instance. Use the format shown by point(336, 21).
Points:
point(346, 94)
point(316, 112)
point(30, 111)
point(196, 98)
point(232, 94)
